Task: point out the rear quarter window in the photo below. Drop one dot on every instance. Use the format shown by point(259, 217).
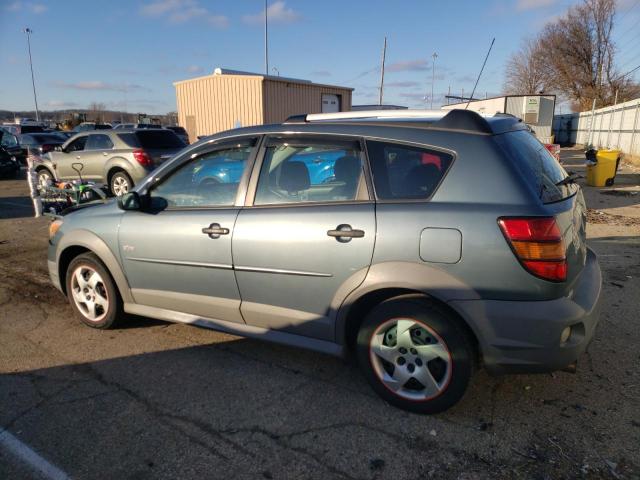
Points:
point(158, 139)
point(406, 172)
point(536, 165)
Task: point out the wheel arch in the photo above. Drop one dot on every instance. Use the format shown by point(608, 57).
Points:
point(84, 241)
point(393, 279)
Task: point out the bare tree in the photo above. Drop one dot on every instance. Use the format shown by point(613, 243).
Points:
point(96, 110)
point(580, 55)
point(527, 69)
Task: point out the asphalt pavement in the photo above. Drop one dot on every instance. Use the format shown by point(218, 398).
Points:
point(159, 400)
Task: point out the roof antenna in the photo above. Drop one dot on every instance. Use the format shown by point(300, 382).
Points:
point(480, 74)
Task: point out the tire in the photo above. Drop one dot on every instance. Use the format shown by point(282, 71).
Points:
point(95, 299)
point(428, 367)
point(44, 177)
point(120, 183)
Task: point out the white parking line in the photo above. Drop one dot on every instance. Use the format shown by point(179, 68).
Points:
point(30, 457)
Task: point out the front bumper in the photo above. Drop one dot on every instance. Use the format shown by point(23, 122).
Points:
point(524, 337)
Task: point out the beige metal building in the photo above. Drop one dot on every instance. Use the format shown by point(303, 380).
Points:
point(229, 99)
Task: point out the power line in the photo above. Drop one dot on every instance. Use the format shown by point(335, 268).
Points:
point(629, 10)
point(629, 29)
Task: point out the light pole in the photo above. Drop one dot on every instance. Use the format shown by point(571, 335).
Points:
point(433, 75)
point(28, 31)
point(266, 39)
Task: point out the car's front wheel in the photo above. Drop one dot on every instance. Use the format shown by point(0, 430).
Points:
point(92, 292)
point(44, 178)
point(120, 184)
point(415, 355)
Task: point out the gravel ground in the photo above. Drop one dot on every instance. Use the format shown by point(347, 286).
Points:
point(158, 400)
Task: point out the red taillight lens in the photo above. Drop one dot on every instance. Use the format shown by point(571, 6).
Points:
point(537, 242)
point(46, 148)
point(142, 158)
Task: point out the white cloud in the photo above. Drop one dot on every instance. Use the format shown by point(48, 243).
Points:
point(277, 12)
point(534, 4)
point(182, 11)
point(18, 5)
point(99, 85)
point(408, 66)
point(59, 104)
point(195, 69)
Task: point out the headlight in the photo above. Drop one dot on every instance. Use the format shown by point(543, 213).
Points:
point(53, 228)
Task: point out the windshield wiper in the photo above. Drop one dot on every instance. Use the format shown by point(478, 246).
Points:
point(569, 179)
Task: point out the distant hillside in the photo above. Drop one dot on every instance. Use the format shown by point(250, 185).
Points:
point(92, 115)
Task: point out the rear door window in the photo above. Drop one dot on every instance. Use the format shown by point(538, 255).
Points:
point(77, 145)
point(538, 167)
point(159, 139)
point(406, 172)
point(99, 142)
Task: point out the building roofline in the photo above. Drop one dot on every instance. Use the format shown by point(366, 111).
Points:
point(502, 96)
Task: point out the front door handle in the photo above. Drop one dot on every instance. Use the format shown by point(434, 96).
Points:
point(344, 233)
point(215, 230)
point(78, 157)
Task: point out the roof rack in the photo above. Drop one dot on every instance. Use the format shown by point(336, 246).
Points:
point(457, 119)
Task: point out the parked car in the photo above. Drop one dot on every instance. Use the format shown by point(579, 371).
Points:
point(19, 129)
point(137, 125)
point(64, 134)
point(181, 132)
point(117, 158)
point(10, 143)
point(444, 241)
point(88, 126)
point(9, 166)
point(40, 143)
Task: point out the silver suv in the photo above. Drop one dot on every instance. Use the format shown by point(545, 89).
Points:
point(119, 159)
point(427, 244)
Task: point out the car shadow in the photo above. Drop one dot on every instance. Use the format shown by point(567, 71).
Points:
point(16, 207)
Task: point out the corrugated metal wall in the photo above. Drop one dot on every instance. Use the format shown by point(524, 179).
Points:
point(615, 127)
point(215, 103)
point(282, 99)
point(219, 102)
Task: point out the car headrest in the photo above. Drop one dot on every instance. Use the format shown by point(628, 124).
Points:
point(347, 169)
point(422, 179)
point(294, 177)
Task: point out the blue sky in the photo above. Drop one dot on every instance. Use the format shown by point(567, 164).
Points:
point(127, 54)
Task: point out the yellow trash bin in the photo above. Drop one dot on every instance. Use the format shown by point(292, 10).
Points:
point(603, 172)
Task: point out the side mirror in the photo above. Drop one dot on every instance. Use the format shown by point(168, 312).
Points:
point(130, 201)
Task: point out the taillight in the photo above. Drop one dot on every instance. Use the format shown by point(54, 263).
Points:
point(537, 242)
point(46, 148)
point(142, 158)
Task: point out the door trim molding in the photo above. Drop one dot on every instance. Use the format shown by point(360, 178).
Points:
point(222, 266)
point(303, 273)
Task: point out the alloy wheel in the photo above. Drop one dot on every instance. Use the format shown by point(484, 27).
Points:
point(119, 186)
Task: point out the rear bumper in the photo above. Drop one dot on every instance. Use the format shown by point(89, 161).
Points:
point(524, 337)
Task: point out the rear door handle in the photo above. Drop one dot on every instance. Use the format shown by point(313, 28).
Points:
point(215, 230)
point(344, 233)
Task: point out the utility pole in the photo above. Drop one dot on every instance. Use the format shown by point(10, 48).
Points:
point(266, 39)
point(384, 53)
point(433, 75)
point(28, 31)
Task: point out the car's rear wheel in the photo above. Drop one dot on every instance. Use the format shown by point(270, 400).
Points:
point(415, 355)
point(120, 184)
point(92, 292)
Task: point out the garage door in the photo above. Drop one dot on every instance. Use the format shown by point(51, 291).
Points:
point(330, 103)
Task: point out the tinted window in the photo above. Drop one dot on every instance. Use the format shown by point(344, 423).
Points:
point(309, 173)
point(403, 172)
point(99, 142)
point(46, 138)
point(179, 130)
point(210, 180)
point(158, 139)
point(26, 140)
point(537, 166)
point(30, 129)
point(103, 127)
point(77, 144)
point(148, 125)
point(130, 139)
point(8, 139)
